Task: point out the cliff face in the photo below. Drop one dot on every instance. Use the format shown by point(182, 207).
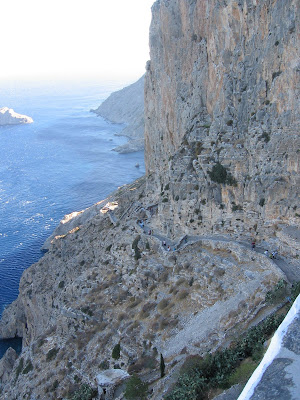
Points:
point(126, 106)
point(222, 87)
point(222, 158)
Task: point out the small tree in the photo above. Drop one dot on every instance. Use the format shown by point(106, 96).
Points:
point(116, 351)
point(135, 388)
point(162, 366)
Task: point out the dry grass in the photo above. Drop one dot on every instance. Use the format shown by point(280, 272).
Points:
point(162, 304)
point(182, 294)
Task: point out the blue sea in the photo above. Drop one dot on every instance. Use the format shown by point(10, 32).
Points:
point(60, 163)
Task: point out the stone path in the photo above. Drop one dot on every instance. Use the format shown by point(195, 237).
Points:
point(292, 274)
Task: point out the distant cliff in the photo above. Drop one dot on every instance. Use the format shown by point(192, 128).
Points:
point(126, 106)
point(9, 117)
point(163, 269)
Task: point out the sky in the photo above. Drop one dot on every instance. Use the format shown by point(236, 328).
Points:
point(74, 38)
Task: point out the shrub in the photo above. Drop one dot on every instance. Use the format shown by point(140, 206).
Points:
point(277, 294)
point(136, 241)
point(20, 367)
point(61, 284)
point(198, 148)
point(116, 351)
point(55, 385)
point(216, 370)
point(28, 368)
point(135, 388)
point(182, 295)
point(104, 365)
point(162, 366)
point(265, 136)
point(262, 202)
point(219, 174)
point(85, 392)
point(295, 291)
point(137, 253)
point(52, 354)
point(108, 247)
point(236, 207)
point(162, 304)
point(146, 362)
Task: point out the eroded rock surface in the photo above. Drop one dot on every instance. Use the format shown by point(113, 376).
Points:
point(222, 161)
point(126, 106)
point(9, 117)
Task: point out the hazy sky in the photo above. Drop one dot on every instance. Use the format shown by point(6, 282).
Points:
point(65, 38)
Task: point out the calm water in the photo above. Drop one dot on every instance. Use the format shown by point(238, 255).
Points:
point(63, 162)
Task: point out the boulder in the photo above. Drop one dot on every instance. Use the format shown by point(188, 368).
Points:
point(9, 117)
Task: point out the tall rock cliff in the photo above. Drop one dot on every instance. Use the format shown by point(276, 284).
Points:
point(222, 115)
point(164, 265)
point(126, 106)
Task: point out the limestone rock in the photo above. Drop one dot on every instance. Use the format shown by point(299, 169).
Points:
point(7, 363)
point(222, 88)
point(9, 117)
point(111, 377)
point(222, 162)
point(126, 106)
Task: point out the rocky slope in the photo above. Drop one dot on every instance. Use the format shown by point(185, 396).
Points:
point(9, 117)
point(222, 161)
point(126, 106)
point(102, 284)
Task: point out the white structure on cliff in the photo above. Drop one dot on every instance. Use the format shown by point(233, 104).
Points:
point(9, 117)
point(278, 371)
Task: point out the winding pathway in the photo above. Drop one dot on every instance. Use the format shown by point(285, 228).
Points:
point(292, 274)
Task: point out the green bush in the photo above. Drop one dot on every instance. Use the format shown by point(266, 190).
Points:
point(20, 367)
point(295, 291)
point(85, 392)
point(135, 388)
point(61, 284)
point(236, 207)
point(28, 368)
point(278, 294)
point(116, 351)
point(262, 202)
point(198, 148)
point(162, 366)
point(219, 174)
point(137, 253)
point(52, 354)
point(216, 370)
point(104, 365)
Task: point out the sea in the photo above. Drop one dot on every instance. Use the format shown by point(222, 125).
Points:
point(62, 162)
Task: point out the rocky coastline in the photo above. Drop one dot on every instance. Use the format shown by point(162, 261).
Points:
point(9, 117)
point(126, 106)
point(172, 266)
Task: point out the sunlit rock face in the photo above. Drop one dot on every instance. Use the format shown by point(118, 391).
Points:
point(222, 87)
point(9, 117)
point(126, 106)
point(222, 161)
